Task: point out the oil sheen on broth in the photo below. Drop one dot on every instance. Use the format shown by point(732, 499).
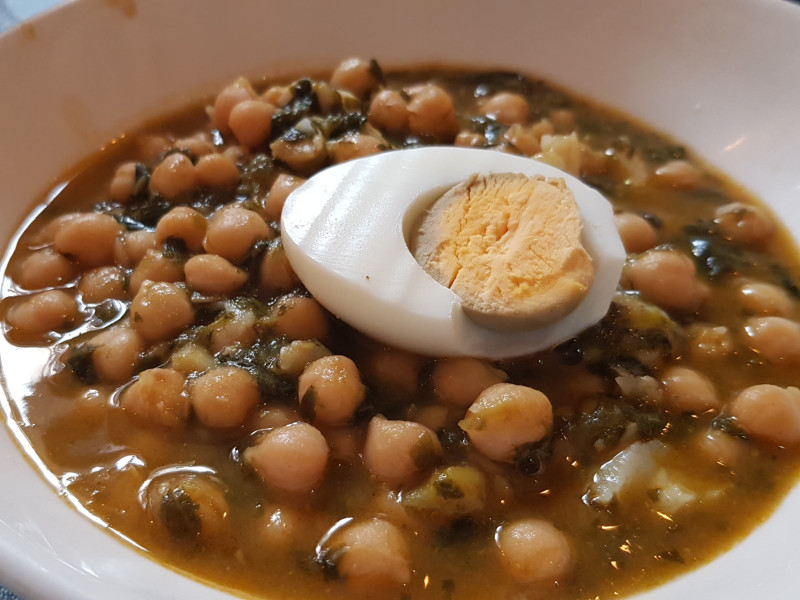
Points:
point(196, 400)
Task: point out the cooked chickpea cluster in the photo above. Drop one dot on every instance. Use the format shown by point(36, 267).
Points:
point(173, 301)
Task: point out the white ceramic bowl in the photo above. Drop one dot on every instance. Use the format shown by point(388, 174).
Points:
point(718, 75)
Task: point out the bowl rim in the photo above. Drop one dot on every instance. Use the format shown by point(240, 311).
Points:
point(37, 563)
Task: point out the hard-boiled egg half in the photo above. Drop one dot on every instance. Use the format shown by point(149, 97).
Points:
point(449, 251)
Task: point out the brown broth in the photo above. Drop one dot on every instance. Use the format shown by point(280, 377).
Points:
point(102, 456)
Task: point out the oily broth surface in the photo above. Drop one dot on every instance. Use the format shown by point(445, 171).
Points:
point(103, 456)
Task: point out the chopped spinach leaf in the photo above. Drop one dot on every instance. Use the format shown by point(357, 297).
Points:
point(376, 72)
point(489, 128)
point(606, 425)
point(175, 250)
point(530, 459)
point(453, 439)
point(730, 426)
point(260, 360)
point(327, 559)
point(179, 513)
point(459, 531)
point(308, 404)
point(141, 183)
point(344, 124)
point(304, 103)
point(81, 364)
point(130, 223)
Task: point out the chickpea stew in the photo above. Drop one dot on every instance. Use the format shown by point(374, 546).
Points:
point(198, 401)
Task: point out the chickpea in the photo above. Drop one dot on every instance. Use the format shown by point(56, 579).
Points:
point(234, 153)
point(233, 230)
point(278, 95)
point(103, 283)
point(431, 113)
point(506, 416)
point(433, 416)
point(283, 185)
point(396, 452)
point(523, 139)
point(198, 145)
point(355, 75)
point(251, 122)
point(300, 318)
point(282, 527)
point(294, 357)
point(330, 389)
point(88, 238)
point(44, 268)
point(709, 341)
point(745, 224)
point(769, 413)
point(122, 184)
point(154, 266)
point(158, 397)
point(306, 154)
point(533, 550)
point(396, 370)
point(469, 139)
point(354, 146)
point(721, 448)
point(777, 339)
point(372, 555)
point(508, 108)
point(636, 232)
point(47, 233)
point(679, 174)
point(458, 381)
point(239, 91)
point(129, 475)
point(563, 120)
point(213, 275)
point(766, 299)
point(191, 358)
point(160, 310)
point(130, 248)
point(34, 316)
point(234, 328)
point(528, 138)
point(687, 390)
point(173, 176)
point(388, 112)
point(191, 506)
point(216, 171)
point(275, 274)
point(272, 416)
point(150, 146)
point(293, 457)
point(387, 503)
point(224, 396)
point(183, 223)
point(667, 278)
